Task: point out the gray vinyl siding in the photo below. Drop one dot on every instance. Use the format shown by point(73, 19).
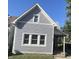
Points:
point(22, 26)
point(33, 28)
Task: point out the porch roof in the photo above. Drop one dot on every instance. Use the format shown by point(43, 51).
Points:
point(59, 32)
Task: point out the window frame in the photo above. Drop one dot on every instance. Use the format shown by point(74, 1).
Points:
point(34, 17)
point(38, 39)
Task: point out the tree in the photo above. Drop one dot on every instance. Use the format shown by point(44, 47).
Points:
point(67, 26)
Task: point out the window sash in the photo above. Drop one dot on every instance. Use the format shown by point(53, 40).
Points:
point(33, 41)
point(26, 39)
point(36, 20)
point(33, 36)
point(42, 42)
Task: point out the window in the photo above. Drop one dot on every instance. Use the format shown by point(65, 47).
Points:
point(26, 38)
point(36, 18)
point(34, 39)
point(42, 39)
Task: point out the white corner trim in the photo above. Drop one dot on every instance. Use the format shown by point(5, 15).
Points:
point(13, 48)
point(52, 40)
point(30, 34)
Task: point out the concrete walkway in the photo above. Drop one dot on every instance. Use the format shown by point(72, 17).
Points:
point(62, 58)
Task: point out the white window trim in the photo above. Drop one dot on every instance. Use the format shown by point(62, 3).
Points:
point(30, 39)
point(38, 18)
point(38, 41)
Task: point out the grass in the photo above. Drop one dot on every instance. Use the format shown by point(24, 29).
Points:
point(31, 56)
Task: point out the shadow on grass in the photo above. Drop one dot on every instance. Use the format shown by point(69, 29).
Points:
point(17, 53)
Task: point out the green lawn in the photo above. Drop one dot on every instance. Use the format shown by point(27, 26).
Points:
point(31, 56)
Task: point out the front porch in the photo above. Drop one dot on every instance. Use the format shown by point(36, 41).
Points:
point(59, 43)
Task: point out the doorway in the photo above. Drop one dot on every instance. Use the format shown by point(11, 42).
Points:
point(58, 44)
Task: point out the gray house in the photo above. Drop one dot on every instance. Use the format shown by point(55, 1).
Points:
point(35, 32)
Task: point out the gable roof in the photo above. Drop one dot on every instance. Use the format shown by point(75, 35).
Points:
point(37, 5)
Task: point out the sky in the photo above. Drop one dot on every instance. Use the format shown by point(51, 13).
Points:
point(56, 9)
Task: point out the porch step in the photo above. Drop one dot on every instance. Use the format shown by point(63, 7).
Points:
point(59, 55)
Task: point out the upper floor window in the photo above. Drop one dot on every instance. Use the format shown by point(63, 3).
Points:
point(36, 18)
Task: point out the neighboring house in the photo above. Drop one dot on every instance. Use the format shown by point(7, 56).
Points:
point(35, 32)
point(10, 32)
point(10, 20)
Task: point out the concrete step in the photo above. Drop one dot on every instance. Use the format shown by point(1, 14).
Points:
point(59, 55)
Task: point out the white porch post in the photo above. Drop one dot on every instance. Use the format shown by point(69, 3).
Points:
point(64, 46)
